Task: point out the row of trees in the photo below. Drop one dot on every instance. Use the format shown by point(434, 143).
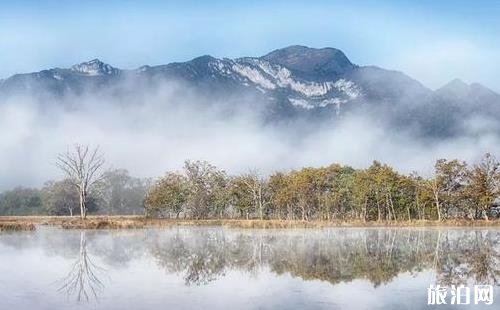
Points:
point(456, 190)
point(116, 193)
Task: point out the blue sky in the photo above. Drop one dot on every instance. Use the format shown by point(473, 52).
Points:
point(432, 41)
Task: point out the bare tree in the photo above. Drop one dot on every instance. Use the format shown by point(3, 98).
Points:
point(84, 168)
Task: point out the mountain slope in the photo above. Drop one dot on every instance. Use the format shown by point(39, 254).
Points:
point(296, 82)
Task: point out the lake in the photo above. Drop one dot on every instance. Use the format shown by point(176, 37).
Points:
point(218, 268)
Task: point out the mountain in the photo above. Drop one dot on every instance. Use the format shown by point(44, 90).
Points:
point(94, 67)
point(312, 64)
point(295, 82)
point(471, 98)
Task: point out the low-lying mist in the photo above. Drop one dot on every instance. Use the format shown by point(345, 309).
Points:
point(150, 134)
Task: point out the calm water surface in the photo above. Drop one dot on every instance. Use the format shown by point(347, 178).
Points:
point(217, 268)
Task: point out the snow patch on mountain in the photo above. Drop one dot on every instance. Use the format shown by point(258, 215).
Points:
point(308, 105)
point(347, 87)
point(220, 67)
point(57, 76)
point(301, 103)
point(334, 101)
point(253, 75)
point(94, 67)
point(272, 76)
point(308, 89)
point(314, 89)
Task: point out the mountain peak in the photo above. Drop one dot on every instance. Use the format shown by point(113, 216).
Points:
point(475, 92)
point(311, 61)
point(94, 67)
point(455, 87)
point(456, 83)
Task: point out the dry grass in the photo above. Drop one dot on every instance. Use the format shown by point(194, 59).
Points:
point(16, 226)
point(131, 222)
point(102, 224)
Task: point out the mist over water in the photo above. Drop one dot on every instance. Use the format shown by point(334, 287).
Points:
point(214, 267)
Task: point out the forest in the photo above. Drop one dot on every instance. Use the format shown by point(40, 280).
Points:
point(116, 193)
point(455, 190)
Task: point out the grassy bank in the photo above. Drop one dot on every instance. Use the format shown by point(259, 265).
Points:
point(131, 222)
point(16, 225)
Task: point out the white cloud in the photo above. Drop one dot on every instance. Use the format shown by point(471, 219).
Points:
point(162, 130)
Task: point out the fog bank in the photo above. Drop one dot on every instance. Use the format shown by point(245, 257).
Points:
point(151, 134)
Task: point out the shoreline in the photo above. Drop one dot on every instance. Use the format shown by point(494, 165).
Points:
point(27, 223)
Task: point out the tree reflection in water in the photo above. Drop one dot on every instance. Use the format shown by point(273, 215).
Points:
point(342, 255)
point(83, 281)
point(201, 255)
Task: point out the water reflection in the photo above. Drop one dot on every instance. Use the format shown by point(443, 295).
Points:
point(202, 257)
point(82, 281)
point(335, 256)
